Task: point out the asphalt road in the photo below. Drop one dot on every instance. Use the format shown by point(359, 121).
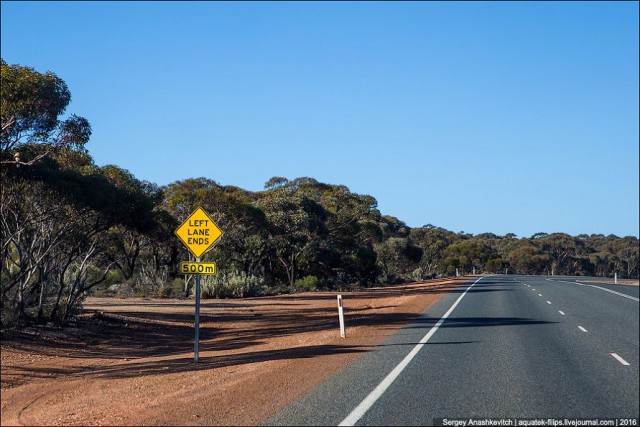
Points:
point(511, 347)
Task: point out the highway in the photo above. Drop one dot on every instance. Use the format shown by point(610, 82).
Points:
point(500, 346)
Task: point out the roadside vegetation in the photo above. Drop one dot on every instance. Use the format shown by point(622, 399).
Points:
point(70, 228)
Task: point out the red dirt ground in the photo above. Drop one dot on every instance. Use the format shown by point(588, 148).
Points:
point(610, 282)
point(130, 361)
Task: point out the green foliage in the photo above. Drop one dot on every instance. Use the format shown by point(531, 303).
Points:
point(30, 106)
point(172, 289)
point(57, 208)
point(495, 265)
point(397, 258)
point(231, 284)
point(276, 181)
point(527, 258)
point(307, 283)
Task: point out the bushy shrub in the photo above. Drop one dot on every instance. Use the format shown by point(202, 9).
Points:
point(124, 289)
point(8, 315)
point(172, 289)
point(151, 280)
point(110, 286)
point(307, 283)
point(231, 284)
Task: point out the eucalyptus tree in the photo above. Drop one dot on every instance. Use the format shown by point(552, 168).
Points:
point(295, 224)
point(561, 249)
point(31, 106)
point(433, 241)
point(527, 258)
point(346, 254)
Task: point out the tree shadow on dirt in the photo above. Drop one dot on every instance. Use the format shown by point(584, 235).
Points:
point(139, 366)
point(132, 336)
point(129, 335)
point(184, 364)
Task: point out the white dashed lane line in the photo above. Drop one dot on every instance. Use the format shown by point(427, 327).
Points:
point(614, 355)
point(620, 359)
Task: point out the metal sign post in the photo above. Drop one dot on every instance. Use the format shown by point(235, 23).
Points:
point(196, 339)
point(198, 233)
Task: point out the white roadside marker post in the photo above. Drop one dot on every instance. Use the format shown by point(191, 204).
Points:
point(457, 275)
point(474, 271)
point(615, 278)
point(341, 317)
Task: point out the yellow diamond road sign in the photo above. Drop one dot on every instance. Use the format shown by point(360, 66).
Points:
point(198, 232)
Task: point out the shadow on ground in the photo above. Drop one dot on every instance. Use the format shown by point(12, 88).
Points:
point(126, 339)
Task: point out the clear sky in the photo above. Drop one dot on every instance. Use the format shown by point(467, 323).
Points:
point(482, 117)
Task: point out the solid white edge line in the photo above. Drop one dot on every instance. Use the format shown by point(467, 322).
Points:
point(561, 312)
point(613, 292)
point(619, 359)
point(368, 401)
point(582, 329)
point(598, 287)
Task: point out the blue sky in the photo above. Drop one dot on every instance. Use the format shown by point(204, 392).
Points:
point(482, 117)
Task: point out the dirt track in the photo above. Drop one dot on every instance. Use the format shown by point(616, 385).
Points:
point(130, 361)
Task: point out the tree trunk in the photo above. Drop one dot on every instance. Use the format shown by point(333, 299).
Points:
point(293, 271)
point(21, 300)
point(40, 298)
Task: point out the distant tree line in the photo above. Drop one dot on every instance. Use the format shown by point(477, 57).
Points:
point(70, 228)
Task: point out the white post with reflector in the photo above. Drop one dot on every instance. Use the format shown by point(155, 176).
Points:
point(341, 317)
point(615, 278)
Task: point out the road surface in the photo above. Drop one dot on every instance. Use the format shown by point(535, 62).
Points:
point(502, 347)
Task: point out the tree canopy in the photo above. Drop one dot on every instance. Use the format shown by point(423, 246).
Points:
point(70, 228)
point(31, 107)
